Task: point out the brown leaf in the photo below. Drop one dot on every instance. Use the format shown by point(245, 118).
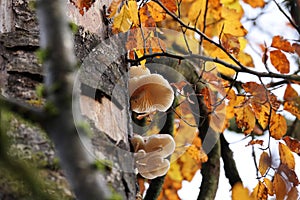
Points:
point(231, 43)
point(293, 144)
point(286, 156)
point(171, 5)
point(280, 62)
point(282, 44)
point(297, 48)
point(278, 126)
point(264, 163)
point(279, 187)
point(253, 142)
point(83, 5)
point(290, 174)
point(293, 194)
point(290, 93)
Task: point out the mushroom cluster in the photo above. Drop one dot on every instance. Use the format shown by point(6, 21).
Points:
point(149, 92)
point(151, 153)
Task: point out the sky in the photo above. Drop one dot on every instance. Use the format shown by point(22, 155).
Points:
point(274, 22)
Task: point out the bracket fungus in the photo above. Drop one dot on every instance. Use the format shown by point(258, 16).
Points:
point(149, 92)
point(150, 154)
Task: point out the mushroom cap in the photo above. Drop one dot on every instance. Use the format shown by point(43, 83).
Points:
point(153, 166)
point(163, 144)
point(137, 71)
point(149, 93)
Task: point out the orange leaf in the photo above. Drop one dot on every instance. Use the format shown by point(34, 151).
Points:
point(279, 187)
point(171, 5)
point(255, 3)
point(293, 144)
point(82, 5)
point(264, 163)
point(258, 91)
point(290, 93)
point(280, 62)
point(286, 156)
point(282, 44)
point(231, 43)
point(244, 116)
point(239, 192)
point(260, 191)
point(278, 126)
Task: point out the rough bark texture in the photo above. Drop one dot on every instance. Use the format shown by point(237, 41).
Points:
point(20, 73)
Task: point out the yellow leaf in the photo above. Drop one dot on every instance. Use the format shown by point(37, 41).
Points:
point(122, 21)
point(245, 59)
point(292, 107)
point(280, 62)
point(174, 172)
point(255, 3)
point(262, 113)
point(279, 187)
point(286, 156)
point(260, 192)
point(278, 126)
point(156, 11)
point(264, 163)
point(244, 116)
point(240, 193)
point(133, 9)
point(112, 9)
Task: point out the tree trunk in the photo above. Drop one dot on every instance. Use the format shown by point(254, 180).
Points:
point(102, 102)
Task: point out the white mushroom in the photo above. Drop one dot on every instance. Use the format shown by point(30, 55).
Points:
point(149, 92)
point(162, 143)
point(151, 153)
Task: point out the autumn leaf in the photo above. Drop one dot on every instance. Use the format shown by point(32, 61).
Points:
point(133, 9)
point(293, 194)
point(156, 11)
point(231, 43)
point(297, 48)
point(278, 126)
point(244, 116)
point(262, 113)
point(290, 93)
point(282, 44)
point(255, 3)
point(113, 8)
point(293, 144)
point(289, 173)
point(292, 101)
point(279, 187)
point(171, 5)
point(280, 62)
point(122, 21)
point(264, 163)
point(260, 191)
point(253, 142)
point(269, 185)
point(286, 156)
point(83, 5)
point(239, 192)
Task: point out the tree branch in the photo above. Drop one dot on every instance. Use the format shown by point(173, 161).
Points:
point(230, 169)
point(59, 65)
